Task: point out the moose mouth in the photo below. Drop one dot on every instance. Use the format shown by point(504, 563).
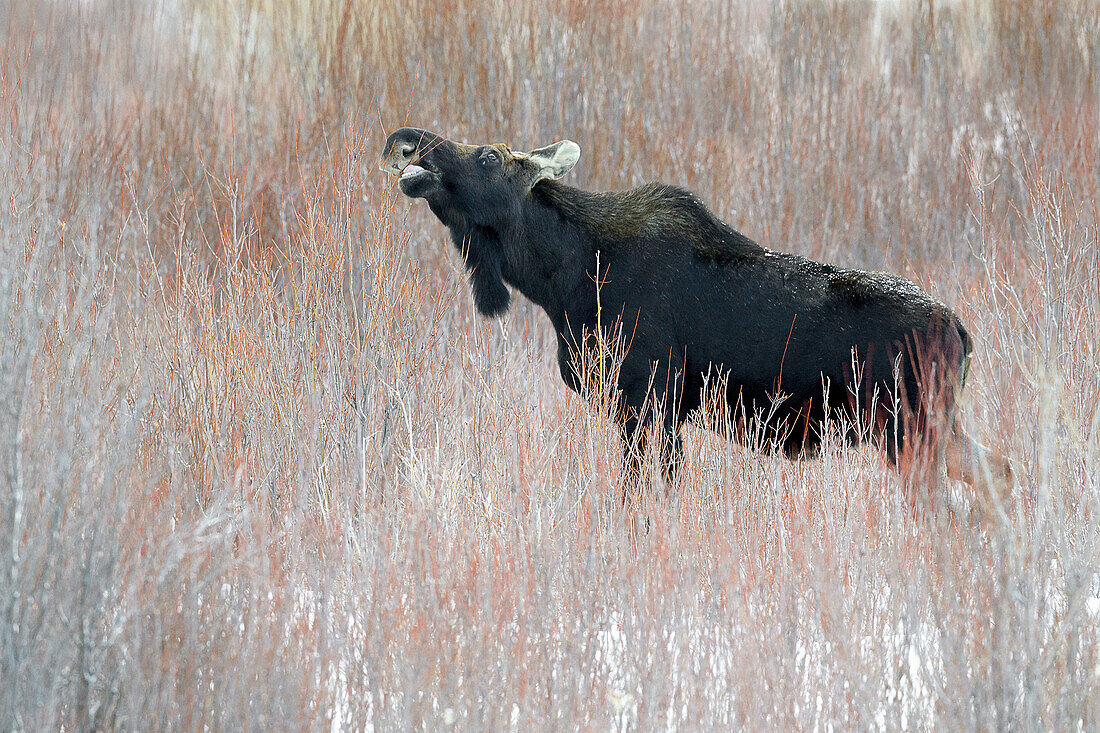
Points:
point(415, 181)
point(417, 175)
point(412, 172)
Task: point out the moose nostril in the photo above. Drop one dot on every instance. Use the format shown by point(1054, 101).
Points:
point(407, 151)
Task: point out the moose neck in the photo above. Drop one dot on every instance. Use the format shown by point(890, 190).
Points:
point(546, 257)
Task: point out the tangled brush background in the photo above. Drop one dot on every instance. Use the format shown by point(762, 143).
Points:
point(262, 466)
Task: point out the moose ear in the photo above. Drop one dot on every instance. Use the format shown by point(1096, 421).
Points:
point(554, 161)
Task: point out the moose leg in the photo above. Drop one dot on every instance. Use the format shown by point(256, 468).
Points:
point(988, 472)
point(633, 431)
point(672, 451)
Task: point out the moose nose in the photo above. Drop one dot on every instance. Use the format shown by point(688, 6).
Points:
point(399, 157)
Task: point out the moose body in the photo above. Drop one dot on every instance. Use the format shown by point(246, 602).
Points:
point(787, 342)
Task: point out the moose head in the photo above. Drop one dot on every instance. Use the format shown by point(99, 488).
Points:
point(483, 184)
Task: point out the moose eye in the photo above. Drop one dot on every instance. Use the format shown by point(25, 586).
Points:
point(489, 157)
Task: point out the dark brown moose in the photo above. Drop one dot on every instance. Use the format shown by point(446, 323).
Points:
point(787, 343)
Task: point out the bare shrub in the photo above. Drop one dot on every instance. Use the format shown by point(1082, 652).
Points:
point(261, 466)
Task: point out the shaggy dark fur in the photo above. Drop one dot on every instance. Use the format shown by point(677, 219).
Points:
point(787, 340)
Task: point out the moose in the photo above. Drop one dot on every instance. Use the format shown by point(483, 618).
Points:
point(787, 343)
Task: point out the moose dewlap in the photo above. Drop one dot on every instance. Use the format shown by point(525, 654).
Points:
point(786, 342)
